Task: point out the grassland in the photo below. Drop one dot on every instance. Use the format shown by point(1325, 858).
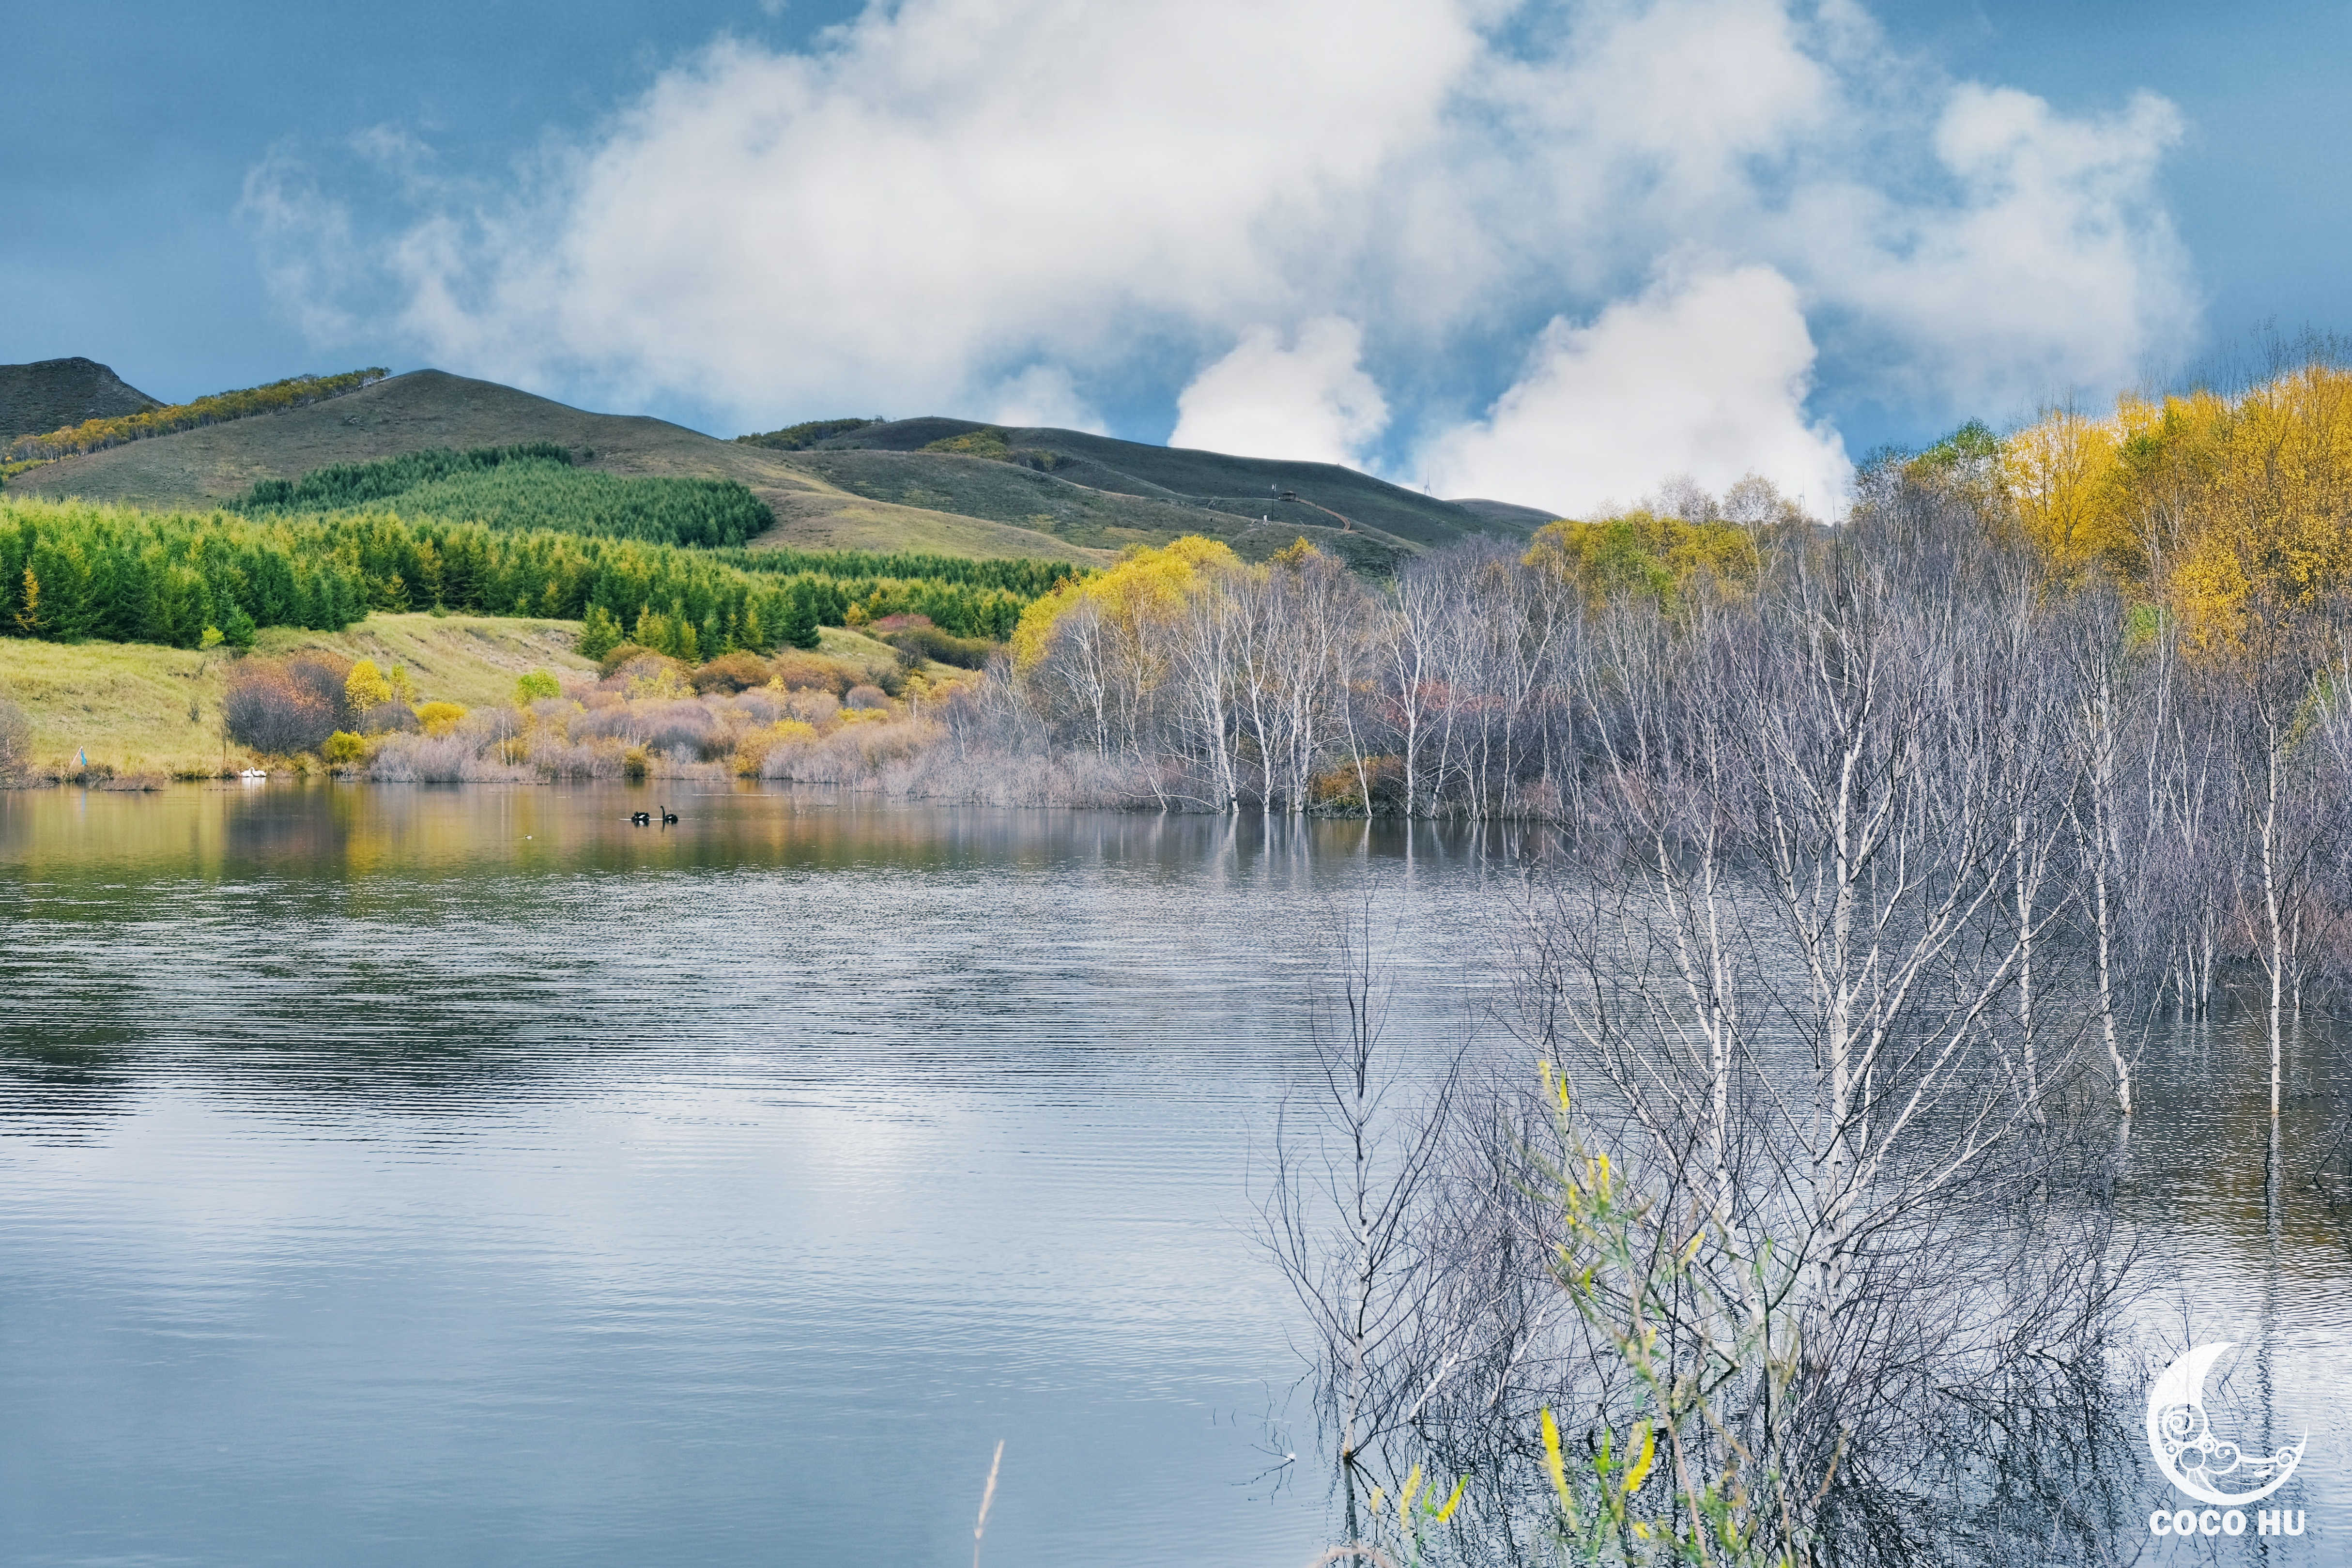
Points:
point(871, 488)
point(138, 706)
point(1218, 482)
point(141, 708)
point(218, 464)
point(51, 393)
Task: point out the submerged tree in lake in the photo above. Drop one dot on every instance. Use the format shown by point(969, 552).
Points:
point(1815, 1144)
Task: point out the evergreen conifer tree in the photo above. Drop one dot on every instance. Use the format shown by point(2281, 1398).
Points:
point(800, 617)
point(599, 632)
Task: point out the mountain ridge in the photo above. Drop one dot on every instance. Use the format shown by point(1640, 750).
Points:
point(52, 394)
point(1048, 493)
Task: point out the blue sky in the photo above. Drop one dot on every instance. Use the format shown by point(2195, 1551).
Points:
point(1541, 248)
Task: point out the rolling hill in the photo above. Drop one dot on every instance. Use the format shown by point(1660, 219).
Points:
point(1262, 493)
point(51, 393)
point(1055, 494)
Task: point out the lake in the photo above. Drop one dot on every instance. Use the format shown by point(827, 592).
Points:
point(400, 1175)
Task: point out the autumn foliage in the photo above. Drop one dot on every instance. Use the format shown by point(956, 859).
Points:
point(96, 435)
point(2218, 508)
point(279, 708)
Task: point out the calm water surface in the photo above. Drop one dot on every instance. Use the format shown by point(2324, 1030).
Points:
point(400, 1176)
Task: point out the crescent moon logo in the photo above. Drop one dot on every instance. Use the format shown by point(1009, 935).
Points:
point(2188, 1452)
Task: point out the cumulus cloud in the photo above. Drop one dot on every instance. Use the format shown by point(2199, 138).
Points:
point(981, 206)
point(1310, 400)
point(1704, 377)
point(2054, 269)
point(1043, 395)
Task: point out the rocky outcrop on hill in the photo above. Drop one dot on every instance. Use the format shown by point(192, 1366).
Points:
point(52, 394)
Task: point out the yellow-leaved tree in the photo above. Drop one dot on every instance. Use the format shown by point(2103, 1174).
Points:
point(440, 718)
point(2221, 508)
point(1643, 553)
point(1106, 644)
point(1143, 583)
point(365, 687)
point(2061, 475)
point(2268, 531)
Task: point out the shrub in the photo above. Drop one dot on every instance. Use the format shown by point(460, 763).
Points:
point(440, 718)
point(442, 759)
point(388, 718)
point(732, 672)
point(868, 697)
point(928, 642)
point(673, 727)
point(265, 711)
point(281, 709)
point(800, 671)
point(652, 675)
point(15, 741)
point(752, 751)
point(556, 758)
point(365, 687)
point(324, 675)
point(761, 704)
point(621, 653)
point(817, 708)
point(536, 687)
point(858, 753)
point(342, 749)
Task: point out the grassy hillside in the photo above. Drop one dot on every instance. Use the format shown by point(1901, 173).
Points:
point(1248, 487)
point(1508, 514)
point(1088, 518)
point(1072, 497)
point(51, 393)
point(218, 464)
point(141, 707)
point(98, 435)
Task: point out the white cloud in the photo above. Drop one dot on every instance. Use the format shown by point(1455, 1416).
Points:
point(1043, 396)
point(980, 206)
point(1704, 376)
point(948, 189)
point(2056, 269)
point(1310, 401)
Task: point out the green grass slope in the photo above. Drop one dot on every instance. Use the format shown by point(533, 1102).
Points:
point(427, 408)
point(1081, 498)
point(139, 706)
point(1247, 487)
point(1079, 515)
point(1508, 514)
point(144, 708)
